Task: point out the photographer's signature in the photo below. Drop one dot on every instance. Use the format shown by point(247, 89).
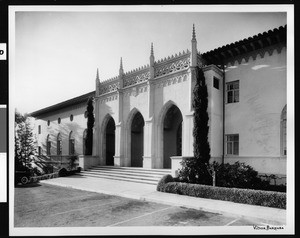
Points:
point(268, 227)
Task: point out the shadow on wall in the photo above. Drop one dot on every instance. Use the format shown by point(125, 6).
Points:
point(64, 131)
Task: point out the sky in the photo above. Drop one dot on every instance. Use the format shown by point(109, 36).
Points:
point(57, 53)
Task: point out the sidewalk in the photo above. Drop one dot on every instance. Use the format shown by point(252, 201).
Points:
point(145, 192)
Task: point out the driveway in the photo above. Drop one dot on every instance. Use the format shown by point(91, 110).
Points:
point(43, 205)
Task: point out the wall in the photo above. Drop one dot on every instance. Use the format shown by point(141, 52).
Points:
point(77, 126)
point(256, 117)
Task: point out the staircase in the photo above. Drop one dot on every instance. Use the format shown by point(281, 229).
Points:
point(129, 174)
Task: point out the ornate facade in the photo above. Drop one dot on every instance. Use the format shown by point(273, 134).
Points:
point(144, 117)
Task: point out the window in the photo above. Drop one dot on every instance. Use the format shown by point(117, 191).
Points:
point(59, 144)
point(216, 83)
point(232, 142)
point(40, 129)
point(233, 92)
point(283, 132)
point(40, 150)
point(48, 145)
point(71, 144)
point(71, 118)
point(59, 120)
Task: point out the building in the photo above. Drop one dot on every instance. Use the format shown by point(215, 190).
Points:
point(144, 117)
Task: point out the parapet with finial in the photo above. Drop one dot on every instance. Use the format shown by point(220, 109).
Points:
point(172, 63)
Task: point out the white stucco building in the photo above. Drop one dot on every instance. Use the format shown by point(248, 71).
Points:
point(143, 117)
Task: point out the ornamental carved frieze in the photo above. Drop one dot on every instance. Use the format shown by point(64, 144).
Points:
point(172, 80)
point(132, 80)
point(172, 67)
point(108, 88)
point(109, 99)
point(135, 91)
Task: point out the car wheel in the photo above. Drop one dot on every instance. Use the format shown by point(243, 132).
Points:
point(24, 180)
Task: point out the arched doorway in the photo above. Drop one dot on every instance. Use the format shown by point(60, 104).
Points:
point(110, 141)
point(172, 135)
point(137, 140)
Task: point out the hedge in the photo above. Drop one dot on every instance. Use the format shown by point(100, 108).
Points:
point(238, 195)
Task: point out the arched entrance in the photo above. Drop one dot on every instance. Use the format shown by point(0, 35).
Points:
point(137, 140)
point(172, 135)
point(110, 141)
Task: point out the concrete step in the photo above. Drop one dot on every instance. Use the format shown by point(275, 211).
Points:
point(130, 174)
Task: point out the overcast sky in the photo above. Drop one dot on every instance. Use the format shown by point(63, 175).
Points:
point(57, 53)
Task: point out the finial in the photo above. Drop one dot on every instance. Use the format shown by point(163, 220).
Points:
point(194, 34)
point(121, 64)
point(97, 75)
point(152, 53)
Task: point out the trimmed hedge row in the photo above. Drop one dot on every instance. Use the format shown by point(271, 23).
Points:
point(238, 195)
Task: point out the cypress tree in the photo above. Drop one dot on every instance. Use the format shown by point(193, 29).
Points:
point(195, 169)
point(90, 125)
point(201, 128)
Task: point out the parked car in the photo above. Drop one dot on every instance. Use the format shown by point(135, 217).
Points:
point(23, 176)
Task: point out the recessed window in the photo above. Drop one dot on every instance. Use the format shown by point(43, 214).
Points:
point(283, 132)
point(232, 142)
point(71, 144)
point(48, 122)
point(59, 144)
point(59, 120)
point(48, 145)
point(71, 118)
point(216, 83)
point(233, 92)
point(40, 129)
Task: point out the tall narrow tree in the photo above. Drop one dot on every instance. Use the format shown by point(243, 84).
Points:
point(201, 128)
point(195, 169)
point(90, 125)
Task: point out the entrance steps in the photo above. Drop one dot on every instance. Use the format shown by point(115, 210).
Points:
point(129, 174)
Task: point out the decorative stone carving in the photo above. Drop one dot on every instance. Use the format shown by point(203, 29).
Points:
point(111, 87)
point(131, 80)
point(172, 67)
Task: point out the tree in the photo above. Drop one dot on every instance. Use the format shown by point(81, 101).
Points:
point(25, 144)
point(90, 125)
point(196, 169)
point(201, 128)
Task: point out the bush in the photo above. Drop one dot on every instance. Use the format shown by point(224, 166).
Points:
point(238, 175)
point(164, 180)
point(246, 196)
point(194, 171)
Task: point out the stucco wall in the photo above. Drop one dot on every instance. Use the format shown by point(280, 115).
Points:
point(256, 117)
point(77, 126)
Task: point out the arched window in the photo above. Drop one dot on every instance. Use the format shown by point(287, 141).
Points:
point(48, 143)
point(84, 141)
point(283, 149)
point(59, 144)
point(71, 144)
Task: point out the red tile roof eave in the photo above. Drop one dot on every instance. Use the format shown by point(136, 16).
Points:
point(277, 31)
point(70, 102)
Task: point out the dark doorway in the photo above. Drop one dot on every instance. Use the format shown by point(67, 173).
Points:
point(110, 141)
point(137, 140)
point(172, 135)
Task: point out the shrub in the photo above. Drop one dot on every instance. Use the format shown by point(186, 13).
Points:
point(164, 180)
point(194, 171)
point(246, 196)
point(238, 175)
point(71, 163)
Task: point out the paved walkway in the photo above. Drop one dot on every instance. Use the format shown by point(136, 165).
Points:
point(271, 216)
